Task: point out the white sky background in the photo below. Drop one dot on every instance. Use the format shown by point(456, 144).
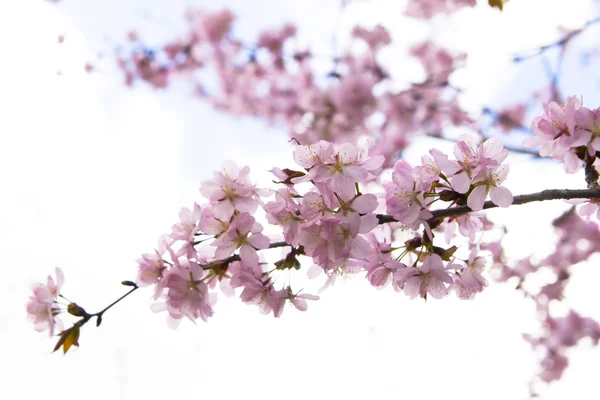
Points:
point(92, 173)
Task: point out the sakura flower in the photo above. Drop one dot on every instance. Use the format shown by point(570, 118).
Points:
point(331, 240)
point(285, 212)
point(472, 158)
point(313, 155)
point(375, 38)
point(588, 122)
point(380, 265)
point(553, 366)
point(210, 224)
point(429, 278)
point(151, 267)
point(42, 307)
point(557, 132)
point(230, 191)
point(257, 288)
point(511, 117)
point(244, 234)
point(405, 195)
point(315, 206)
point(299, 300)
point(188, 225)
point(187, 293)
point(468, 225)
point(471, 274)
point(590, 208)
point(338, 166)
point(488, 182)
point(434, 164)
point(461, 288)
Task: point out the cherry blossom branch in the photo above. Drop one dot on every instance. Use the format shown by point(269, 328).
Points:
point(549, 194)
point(236, 257)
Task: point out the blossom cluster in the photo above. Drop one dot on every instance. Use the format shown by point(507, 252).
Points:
point(275, 80)
point(567, 132)
point(323, 215)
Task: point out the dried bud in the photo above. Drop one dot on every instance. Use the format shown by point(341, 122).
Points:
point(76, 310)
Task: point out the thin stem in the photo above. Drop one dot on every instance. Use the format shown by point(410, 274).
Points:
point(99, 314)
point(559, 43)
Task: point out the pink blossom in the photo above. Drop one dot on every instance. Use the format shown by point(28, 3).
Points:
point(380, 265)
point(273, 39)
point(405, 198)
point(151, 266)
point(330, 241)
point(187, 294)
point(257, 288)
point(314, 206)
point(210, 224)
point(488, 181)
point(553, 366)
point(42, 307)
point(230, 191)
point(375, 38)
point(468, 225)
point(244, 234)
point(313, 155)
point(437, 61)
point(337, 166)
point(426, 9)
point(188, 225)
point(557, 132)
point(473, 158)
point(590, 208)
point(299, 300)
point(285, 212)
point(461, 288)
point(471, 274)
point(511, 117)
point(588, 122)
point(429, 278)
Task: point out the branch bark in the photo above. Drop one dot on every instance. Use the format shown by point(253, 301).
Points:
point(550, 194)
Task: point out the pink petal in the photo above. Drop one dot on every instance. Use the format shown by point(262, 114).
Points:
point(365, 203)
point(477, 198)
point(461, 182)
point(501, 196)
